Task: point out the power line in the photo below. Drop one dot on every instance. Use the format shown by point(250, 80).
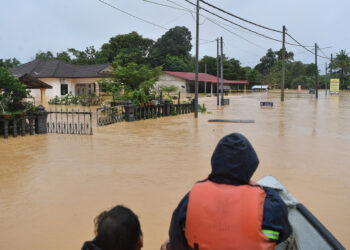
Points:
point(164, 5)
point(216, 23)
point(304, 46)
point(271, 38)
point(323, 53)
point(127, 13)
point(139, 18)
point(240, 18)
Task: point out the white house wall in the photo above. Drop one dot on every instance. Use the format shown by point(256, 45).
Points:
point(56, 86)
point(169, 80)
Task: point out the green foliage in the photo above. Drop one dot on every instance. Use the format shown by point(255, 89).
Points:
point(341, 66)
point(12, 92)
point(202, 108)
point(134, 75)
point(175, 42)
point(89, 56)
point(48, 55)
point(69, 99)
point(9, 63)
point(179, 63)
point(131, 43)
point(169, 89)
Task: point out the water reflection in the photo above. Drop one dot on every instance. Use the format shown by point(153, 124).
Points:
point(52, 186)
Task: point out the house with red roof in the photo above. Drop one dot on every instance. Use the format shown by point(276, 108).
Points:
point(207, 83)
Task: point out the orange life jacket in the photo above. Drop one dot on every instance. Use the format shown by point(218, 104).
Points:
point(222, 217)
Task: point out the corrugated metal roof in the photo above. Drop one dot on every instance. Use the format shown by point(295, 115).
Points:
point(190, 76)
point(59, 69)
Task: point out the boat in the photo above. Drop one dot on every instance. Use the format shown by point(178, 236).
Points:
point(308, 232)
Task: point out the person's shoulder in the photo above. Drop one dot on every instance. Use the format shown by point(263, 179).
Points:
point(90, 245)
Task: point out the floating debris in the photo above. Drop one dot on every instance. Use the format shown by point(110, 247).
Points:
point(232, 121)
point(266, 104)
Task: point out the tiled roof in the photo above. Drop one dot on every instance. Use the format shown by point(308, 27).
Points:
point(58, 69)
point(189, 76)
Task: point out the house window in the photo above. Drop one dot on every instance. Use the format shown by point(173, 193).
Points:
point(64, 89)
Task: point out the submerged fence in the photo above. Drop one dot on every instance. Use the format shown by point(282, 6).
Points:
point(17, 126)
point(109, 115)
point(130, 112)
point(70, 122)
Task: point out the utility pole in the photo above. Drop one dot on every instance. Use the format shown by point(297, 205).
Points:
point(283, 63)
point(325, 78)
point(316, 76)
point(222, 71)
point(197, 49)
point(205, 81)
point(330, 66)
point(217, 72)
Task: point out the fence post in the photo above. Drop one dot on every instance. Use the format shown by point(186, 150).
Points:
point(192, 105)
point(130, 112)
point(31, 125)
point(167, 107)
point(6, 128)
point(40, 120)
point(14, 127)
point(23, 123)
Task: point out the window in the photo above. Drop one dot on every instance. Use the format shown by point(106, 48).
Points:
point(64, 89)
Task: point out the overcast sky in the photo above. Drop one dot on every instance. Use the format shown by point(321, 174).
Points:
point(29, 26)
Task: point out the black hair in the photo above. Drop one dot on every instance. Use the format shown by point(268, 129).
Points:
point(117, 229)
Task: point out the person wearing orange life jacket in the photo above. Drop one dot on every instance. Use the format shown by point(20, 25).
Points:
point(227, 210)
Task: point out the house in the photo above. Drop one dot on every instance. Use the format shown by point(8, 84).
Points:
point(63, 77)
point(185, 82)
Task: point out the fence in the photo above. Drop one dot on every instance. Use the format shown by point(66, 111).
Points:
point(130, 112)
point(70, 122)
point(109, 115)
point(135, 113)
point(17, 125)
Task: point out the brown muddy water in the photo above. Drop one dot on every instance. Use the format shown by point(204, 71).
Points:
point(52, 186)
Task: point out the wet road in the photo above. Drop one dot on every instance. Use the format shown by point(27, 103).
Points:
point(52, 186)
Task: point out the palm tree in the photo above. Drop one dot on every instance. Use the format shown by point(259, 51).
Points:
point(342, 64)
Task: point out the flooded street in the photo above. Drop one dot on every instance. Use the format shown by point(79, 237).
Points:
point(53, 186)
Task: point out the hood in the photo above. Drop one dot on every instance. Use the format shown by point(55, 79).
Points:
point(90, 245)
point(234, 160)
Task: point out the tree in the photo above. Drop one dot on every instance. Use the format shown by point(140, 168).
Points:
point(266, 62)
point(175, 42)
point(12, 91)
point(128, 43)
point(48, 55)
point(341, 64)
point(89, 56)
point(63, 56)
point(211, 65)
point(9, 63)
point(177, 63)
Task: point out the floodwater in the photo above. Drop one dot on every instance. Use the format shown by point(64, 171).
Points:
point(52, 186)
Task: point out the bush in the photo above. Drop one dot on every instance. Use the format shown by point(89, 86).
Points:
point(69, 99)
point(12, 92)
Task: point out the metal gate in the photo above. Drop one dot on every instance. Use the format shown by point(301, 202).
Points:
point(70, 122)
point(109, 115)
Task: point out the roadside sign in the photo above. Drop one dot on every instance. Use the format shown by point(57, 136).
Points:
point(334, 87)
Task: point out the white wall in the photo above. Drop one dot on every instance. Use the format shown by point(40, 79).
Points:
point(56, 86)
point(168, 80)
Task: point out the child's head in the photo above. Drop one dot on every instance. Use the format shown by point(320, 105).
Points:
point(118, 229)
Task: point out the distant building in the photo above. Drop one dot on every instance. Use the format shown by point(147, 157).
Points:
point(185, 82)
point(260, 88)
point(63, 77)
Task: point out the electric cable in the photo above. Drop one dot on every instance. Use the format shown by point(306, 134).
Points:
point(265, 36)
point(304, 46)
point(240, 18)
